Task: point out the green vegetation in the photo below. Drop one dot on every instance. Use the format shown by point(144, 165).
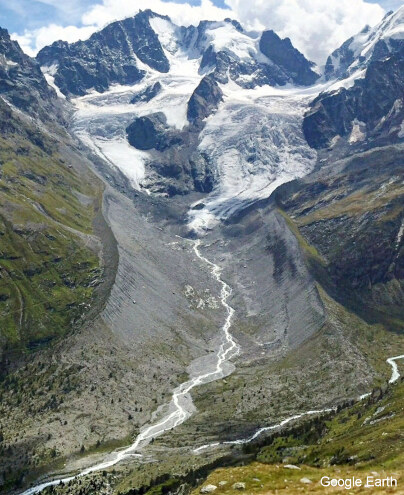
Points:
point(309, 250)
point(47, 206)
point(368, 434)
point(276, 479)
point(358, 440)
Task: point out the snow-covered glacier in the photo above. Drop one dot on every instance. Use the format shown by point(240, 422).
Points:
point(253, 142)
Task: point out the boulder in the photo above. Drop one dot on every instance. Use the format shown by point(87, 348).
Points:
point(208, 489)
point(239, 485)
point(205, 99)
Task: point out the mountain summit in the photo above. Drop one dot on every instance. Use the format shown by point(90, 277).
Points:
point(121, 52)
point(369, 45)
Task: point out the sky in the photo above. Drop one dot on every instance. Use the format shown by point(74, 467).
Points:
point(316, 27)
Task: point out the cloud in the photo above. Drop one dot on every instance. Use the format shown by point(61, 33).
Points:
point(315, 27)
point(97, 16)
point(32, 41)
point(181, 13)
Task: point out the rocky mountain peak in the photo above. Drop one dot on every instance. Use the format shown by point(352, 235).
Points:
point(286, 56)
point(370, 44)
point(21, 80)
point(124, 51)
point(116, 54)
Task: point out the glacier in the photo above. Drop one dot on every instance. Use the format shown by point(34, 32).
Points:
point(253, 142)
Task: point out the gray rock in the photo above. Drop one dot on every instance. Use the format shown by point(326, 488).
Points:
point(107, 56)
point(22, 82)
point(367, 103)
point(205, 99)
point(152, 131)
point(239, 485)
point(208, 489)
point(293, 63)
point(147, 94)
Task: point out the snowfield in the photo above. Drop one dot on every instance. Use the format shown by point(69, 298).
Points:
point(255, 143)
point(101, 118)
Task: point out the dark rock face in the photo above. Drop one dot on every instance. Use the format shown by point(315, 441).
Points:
point(152, 132)
point(345, 57)
point(204, 100)
point(288, 58)
point(371, 99)
point(107, 57)
point(148, 94)
point(356, 230)
point(176, 165)
point(21, 79)
point(288, 64)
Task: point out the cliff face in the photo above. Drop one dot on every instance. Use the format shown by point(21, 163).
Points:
point(22, 82)
point(372, 110)
point(352, 213)
point(112, 55)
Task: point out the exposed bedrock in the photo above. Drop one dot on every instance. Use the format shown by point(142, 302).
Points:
point(204, 100)
point(288, 58)
point(372, 109)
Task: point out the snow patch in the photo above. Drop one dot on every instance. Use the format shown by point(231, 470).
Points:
point(400, 234)
point(167, 33)
point(50, 69)
point(49, 73)
point(401, 131)
point(358, 132)
point(120, 155)
point(223, 36)
point(51, 81)
point(348, 82)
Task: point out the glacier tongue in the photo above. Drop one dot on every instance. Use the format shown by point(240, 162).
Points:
point(255, 143)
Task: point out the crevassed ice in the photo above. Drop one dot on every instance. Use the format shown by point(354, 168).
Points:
point(255, 143)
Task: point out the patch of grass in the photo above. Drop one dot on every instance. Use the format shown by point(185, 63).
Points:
point(271, 479)
point(47, 269)
point(364, 200)
point(307, 248)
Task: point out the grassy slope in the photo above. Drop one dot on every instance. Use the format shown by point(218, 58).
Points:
point(364, 438)
point(49, 270)
point(46, 268)
point(367, 437)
